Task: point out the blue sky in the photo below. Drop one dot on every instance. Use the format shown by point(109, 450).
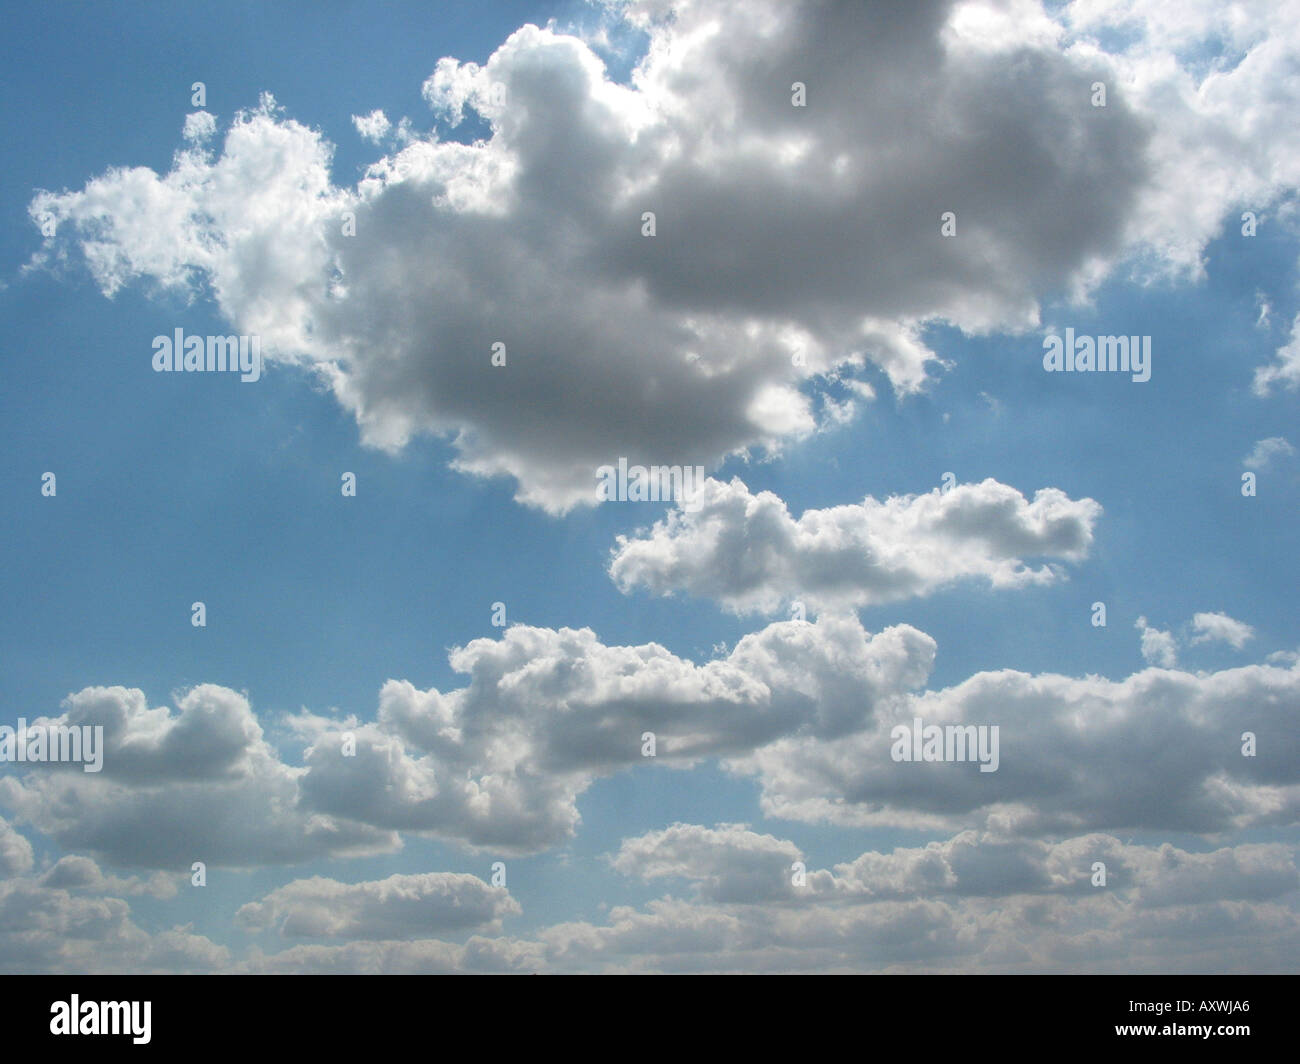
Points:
point(175, 488)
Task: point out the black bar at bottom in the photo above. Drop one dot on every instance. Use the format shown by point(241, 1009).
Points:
point(609, 1014)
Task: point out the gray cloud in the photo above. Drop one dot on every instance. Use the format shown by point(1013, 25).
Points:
point(974, 902)
point(729, 862)
point(781, 231)
point(63, 921)
point(82, 874)
point(15, 851)
point(401, 906)
point(1160, 750)
point(201, 785)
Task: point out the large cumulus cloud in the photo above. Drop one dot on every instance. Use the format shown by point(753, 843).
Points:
point(791, 242)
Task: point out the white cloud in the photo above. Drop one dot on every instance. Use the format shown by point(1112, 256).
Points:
point(373, 127)
point(199, 126)
point(1211, 627)
point(750, 554)
point(1266, 450)
point(1212, 83)
point(1158, 647)
point(1285, 370)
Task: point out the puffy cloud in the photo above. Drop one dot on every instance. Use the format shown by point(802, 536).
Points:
point(15, 851)
point(678, 936)
point(975, 902)
point(1158, 750)
point(808, 710)
point(780, 230)
point(373, 127)
point(498, 763)
point(1212, 627)
point(949, 907)
point(1265, 451)
point(214, 736)
point(199, 126)
point(1206, 78)
point(82, 874)
point(974, 864)
point(1168, 876)
point(1101, 931)
point(1285, 370)
point(49, 929)
point(731, 863)
point(969, 864)
point(749, 553)
point(734, 865)
point(401, 906)
point(501, 761)
point(1158, 647)
point(175, 788)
